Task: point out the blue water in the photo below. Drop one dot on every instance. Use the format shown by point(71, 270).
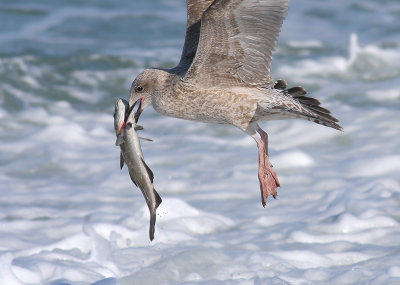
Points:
point(70, 216)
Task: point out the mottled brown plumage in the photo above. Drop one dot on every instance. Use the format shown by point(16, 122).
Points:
point(223, 76)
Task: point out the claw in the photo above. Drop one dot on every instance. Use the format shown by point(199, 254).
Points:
point(268, 183)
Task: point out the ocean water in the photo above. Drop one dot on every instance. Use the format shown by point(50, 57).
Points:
point(69, 215)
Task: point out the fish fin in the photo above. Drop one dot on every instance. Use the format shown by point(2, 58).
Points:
point(133, 178)
point(158, 198)
point(151, 175)
point(138, 128)
point(146, 139)
point(121, 161)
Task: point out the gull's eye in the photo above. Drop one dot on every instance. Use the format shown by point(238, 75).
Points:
point(139, 89)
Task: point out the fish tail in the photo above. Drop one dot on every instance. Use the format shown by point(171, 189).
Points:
point(152, 224)
point(153, 215)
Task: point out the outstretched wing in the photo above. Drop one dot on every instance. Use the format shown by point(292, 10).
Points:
point(237, 39)
point(195, 9)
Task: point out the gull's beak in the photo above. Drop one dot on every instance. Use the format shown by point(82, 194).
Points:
point(139, 110)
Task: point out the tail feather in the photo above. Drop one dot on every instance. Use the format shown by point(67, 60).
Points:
point(280, 84)
point(309, 101)
point(316, 108)
point(313, 111)
point(325, 116)
point(296, 91)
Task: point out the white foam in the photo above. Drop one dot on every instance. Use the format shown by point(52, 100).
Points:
point(394, 271)
point(293, 159)
point(306, 44)
point(305, 69)
point(348, 223)
point(303, 259)
point(369, 63)
point(6, 271)
point(374, 166)
point(69, 215)
point(365, 237)
point(191, 220)
point(384, 95)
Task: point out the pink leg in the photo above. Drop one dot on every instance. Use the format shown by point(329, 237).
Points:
point(266, 175)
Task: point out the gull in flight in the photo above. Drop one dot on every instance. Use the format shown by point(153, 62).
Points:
point(223, 76)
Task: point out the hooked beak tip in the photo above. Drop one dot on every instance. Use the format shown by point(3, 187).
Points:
point(140, 108)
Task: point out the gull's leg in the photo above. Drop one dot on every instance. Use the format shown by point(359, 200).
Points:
point(262, 174)
point(272, 177)
point(266, 175)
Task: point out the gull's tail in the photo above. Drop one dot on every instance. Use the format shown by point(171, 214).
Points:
point(310, 108)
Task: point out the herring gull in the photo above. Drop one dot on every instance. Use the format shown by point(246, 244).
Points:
point(223, 76)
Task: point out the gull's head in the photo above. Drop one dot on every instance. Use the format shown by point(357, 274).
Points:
point(146, 86)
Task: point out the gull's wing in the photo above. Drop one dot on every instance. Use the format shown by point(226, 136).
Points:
point(237, 39)
point(195, 9)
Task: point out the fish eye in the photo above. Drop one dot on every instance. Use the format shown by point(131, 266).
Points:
point(139, 89)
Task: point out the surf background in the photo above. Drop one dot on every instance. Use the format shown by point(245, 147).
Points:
point(69, 215)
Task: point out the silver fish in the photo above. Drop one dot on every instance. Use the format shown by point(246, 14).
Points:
point(131, 153)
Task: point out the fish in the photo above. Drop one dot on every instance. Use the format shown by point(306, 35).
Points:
point(125, 125)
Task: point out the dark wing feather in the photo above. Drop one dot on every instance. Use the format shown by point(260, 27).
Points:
point(195, 9)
